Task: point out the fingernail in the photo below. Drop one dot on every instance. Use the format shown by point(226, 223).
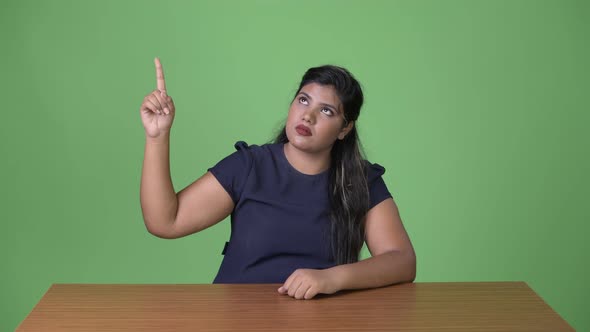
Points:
point(166, 110)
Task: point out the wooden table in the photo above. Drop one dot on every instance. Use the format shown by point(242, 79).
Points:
point(497, 306)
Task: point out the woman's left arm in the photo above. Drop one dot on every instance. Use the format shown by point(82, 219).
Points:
point(393, 260)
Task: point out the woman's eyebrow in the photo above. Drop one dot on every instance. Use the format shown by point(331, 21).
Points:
point(324, 104)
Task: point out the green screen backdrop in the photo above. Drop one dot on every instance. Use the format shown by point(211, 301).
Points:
point(477, 109)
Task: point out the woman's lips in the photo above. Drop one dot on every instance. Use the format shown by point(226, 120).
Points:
point(303, 130)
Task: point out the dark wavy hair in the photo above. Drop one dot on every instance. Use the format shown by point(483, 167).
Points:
point(348, 189)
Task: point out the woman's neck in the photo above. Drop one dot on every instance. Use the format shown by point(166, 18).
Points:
point(306, 162)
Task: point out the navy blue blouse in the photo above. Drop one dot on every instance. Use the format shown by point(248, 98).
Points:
point(281, 218)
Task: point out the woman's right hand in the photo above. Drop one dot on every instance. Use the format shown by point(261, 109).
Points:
point(157, 110)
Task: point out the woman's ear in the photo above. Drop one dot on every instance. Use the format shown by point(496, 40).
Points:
point(345, 130)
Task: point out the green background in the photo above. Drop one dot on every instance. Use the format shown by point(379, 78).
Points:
point(477, 109)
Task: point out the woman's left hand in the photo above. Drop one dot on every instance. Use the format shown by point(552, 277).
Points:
point(307, 283)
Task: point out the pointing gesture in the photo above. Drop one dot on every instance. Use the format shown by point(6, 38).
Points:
point(157, 110)
point(160, 76)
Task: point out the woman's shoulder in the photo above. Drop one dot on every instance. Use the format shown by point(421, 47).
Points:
point(378, 190)
point(254, 148)
point(244, 158)
point(374, 171)
point(255, 151)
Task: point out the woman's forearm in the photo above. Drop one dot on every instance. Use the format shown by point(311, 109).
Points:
point(158, 199)
point(386, 269)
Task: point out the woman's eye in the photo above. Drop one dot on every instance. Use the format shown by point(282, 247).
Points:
point(327, 111)
point(303, 100)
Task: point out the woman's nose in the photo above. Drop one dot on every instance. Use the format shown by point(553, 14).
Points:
point(308, 115)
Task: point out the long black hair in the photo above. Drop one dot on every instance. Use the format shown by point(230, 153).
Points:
point(348, 190)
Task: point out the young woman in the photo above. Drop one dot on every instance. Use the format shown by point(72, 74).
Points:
point(301, 208)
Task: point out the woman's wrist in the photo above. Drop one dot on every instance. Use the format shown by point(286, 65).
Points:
point(338, 277)
point(163, 138)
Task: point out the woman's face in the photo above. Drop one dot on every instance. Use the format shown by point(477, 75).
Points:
point(316, 119)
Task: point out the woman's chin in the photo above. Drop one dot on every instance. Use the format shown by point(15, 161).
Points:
point(300, 144)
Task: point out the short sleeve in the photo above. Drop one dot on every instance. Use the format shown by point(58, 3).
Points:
point(232, 171)
point(378, 191)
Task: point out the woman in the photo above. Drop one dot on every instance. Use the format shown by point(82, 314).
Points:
point(301, 208)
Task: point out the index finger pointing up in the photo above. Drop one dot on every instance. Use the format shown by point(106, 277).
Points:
point(160, 76)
